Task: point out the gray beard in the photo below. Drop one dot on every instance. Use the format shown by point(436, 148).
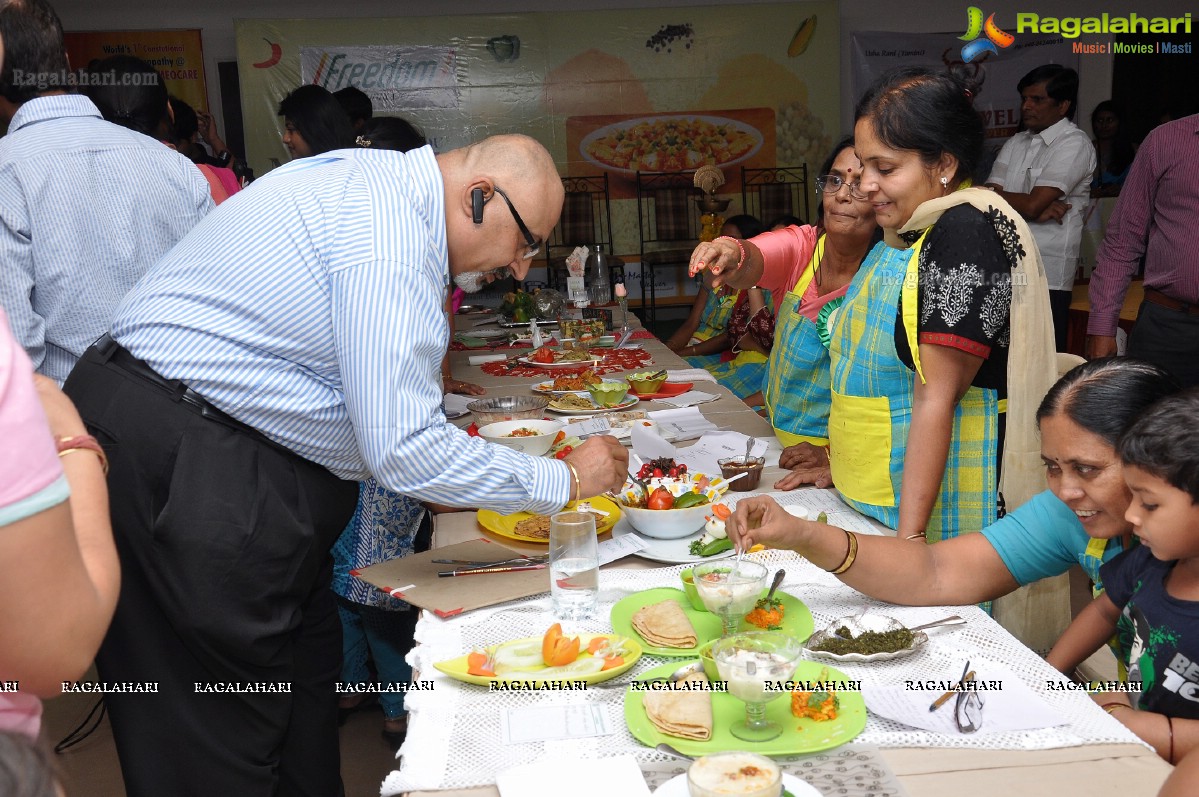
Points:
point(470, 281)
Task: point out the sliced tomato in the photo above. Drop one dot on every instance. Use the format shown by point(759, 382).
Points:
point(660, 498)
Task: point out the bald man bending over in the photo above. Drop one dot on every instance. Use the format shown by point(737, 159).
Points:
point(287, 348)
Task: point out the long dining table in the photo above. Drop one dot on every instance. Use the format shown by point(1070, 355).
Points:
point(453, 747)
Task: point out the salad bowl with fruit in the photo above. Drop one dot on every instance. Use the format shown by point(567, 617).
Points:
point(668, 502)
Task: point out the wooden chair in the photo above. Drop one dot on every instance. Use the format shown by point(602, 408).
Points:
point(586, 221)
point(780, 191)
point(669, 225)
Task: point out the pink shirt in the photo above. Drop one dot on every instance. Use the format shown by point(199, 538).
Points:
point(1155, 216)
point(785, 253)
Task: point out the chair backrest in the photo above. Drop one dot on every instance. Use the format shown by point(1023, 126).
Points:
point(586, 216)
point(666, 213)
point(779, 191)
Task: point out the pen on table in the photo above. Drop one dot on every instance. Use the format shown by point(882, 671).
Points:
point(940, 701)
point(449, 573)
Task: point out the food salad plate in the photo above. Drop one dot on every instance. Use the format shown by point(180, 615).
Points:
point(857, 625)
point(799, 735)
point(797, 620)
point(670, 143)
point(589, 360)
point(520, 660)
point(677, 786)
point(667, 390)
point(506, 525)
point(557, 405)
point(671, 552)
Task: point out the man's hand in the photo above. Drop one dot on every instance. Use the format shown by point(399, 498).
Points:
point(1055, 211)
point(602, 464)
point(759, 519)
point(451, 385)
point(1100, 346)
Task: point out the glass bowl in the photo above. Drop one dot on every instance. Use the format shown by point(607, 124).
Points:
point(507, 408)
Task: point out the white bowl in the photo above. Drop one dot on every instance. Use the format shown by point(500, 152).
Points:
point(535, 445)
point(668, 524)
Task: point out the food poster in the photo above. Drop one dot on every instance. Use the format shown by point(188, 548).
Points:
point(178, 55)
point(751, 85)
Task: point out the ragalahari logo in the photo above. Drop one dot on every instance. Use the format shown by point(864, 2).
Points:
point(975, 27)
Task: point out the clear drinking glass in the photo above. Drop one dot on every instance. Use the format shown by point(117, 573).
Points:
point(574, 566)
point(730, 591)
point(748, 662)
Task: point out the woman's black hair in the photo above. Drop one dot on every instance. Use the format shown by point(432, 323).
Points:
point(845, 143)
point(131, 93)
point(786, 220)
point(1164, 441)
point(33, 44)
point(1105, 396)
point(187, 124)
point(319, 118)
point(1122, 151)
point(749, 226)
point(390, 132)
point(921, 110)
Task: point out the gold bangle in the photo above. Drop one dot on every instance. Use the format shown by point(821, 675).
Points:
point(83, 442)
point(917, 536)
point(850, 555)
point(578, 482)
point(1110, 708)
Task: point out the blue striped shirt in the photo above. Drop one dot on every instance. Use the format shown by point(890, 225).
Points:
point(86, 207)
point(310, 306)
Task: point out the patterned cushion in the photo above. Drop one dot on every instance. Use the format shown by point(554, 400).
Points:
point(671, 211)
point(578, 219)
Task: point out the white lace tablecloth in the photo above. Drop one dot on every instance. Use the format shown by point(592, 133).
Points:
point(454, 729)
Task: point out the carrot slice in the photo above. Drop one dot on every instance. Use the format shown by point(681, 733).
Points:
point(721, 511)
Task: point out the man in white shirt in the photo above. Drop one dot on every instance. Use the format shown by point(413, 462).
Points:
point(1044, 172)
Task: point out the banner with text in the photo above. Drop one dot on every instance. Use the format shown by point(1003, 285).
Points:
point(178, 55)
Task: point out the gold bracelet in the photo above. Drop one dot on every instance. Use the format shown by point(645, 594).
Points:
point(850, 555)
point(83, 442)
point(917, 536)
point(578, 482)
point(1110, 708)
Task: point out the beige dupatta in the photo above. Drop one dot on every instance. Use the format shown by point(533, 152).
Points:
point(1038, 613)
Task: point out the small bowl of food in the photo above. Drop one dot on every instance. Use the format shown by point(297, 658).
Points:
point(865, 638)
point(507, 408)
point(531, 436)
point(667, 524)
point(607, 393)
point(734, 774)
point(646, 383)
point(735, 466)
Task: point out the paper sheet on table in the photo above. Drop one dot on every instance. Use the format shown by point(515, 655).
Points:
point(648, 444)
point(1012, 706)
point(686, 423)
point(703, 456)
point(619, 547)
point(479, 359)
point(689, 375)
point(690, 398)
point(546, 723)
point(553, 776)
point(455, 405)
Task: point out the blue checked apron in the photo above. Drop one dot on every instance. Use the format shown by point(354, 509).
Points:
point(871, 412)
point(712, 321)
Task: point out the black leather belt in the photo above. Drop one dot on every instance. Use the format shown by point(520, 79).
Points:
point(111, 351)
point(1154, 296)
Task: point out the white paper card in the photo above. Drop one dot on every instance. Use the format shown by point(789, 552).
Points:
point(690, 398)
point(689, 375)
point(1008, 706)
point(455, 405)
point(479, 359)
point(546, 723)
point(600, 777)
point(682, 424)
point(619, 547)
point(648, 444)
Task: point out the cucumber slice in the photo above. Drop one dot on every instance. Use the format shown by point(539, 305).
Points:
point(518, 656)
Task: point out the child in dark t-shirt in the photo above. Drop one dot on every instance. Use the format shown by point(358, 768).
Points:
point(1152, 590)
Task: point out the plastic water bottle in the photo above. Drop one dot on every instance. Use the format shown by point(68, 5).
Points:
point(601, 288)
point(574, 566)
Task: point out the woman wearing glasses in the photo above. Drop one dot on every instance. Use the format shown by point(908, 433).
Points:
point(808, 271)
point(923, 345)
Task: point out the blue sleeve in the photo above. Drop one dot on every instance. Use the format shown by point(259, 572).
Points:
point(1039, 539)
point(1120, 574)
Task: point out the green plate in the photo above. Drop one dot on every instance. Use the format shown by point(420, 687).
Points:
point(798, 736)
point(457, 668)
point(797, 620)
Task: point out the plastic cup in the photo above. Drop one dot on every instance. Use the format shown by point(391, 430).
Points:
point(692, 593)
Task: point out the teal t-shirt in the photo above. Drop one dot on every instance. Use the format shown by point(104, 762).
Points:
point(1044, 538)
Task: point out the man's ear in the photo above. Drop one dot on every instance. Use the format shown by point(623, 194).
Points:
point(479, 192)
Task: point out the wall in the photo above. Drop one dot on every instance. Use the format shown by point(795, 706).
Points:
point(215, 17)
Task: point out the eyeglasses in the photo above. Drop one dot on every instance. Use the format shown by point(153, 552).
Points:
point(534, 246)
point(968, 706)
point(831, 184)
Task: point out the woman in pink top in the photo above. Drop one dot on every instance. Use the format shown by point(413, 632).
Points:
point(808, 269)
point(58, 566)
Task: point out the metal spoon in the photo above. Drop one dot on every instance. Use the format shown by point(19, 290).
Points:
point(951, 620)
point(674, 677)
point(778, 579)
point(665, 748)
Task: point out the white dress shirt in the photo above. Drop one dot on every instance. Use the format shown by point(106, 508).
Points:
point(1060, 156)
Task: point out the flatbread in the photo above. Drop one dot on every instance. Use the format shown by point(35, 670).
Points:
point(687, 715)
point(664, 625)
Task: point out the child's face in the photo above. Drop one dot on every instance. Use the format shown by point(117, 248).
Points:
point(1163, 516)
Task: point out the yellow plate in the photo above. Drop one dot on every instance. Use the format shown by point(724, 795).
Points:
point(505, 525)
point(457, 668)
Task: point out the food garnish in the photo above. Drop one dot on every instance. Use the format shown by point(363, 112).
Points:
point(867, 642)
point(523, 431)
point(557, 650)
point(714, 539)
point(768, 614)
point(819, 706)
point(480, 664)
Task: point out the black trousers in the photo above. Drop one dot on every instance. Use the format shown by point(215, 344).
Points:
point(224, 544)
point(1059, 307)
point(1168, 338)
